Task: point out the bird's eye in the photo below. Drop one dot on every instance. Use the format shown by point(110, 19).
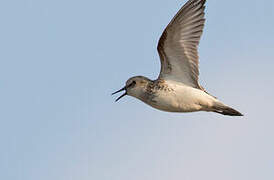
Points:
point(132, 84)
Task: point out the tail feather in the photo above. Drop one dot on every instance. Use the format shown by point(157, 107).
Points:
point(225, 110)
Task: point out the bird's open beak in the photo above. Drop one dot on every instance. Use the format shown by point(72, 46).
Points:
point(124, 88)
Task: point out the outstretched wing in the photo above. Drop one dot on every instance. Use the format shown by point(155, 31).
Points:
point(179, 42)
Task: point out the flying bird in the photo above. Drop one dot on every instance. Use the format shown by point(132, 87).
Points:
point(177, 88)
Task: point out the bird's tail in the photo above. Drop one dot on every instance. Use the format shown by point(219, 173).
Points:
point(225, 110)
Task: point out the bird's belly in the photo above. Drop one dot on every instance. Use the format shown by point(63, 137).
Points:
point(174, 102)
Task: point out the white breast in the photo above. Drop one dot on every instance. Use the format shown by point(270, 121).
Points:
point(181, 99)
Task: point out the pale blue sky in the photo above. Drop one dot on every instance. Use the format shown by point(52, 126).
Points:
point(61, 59)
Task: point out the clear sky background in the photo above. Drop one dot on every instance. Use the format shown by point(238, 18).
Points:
point(61, 59)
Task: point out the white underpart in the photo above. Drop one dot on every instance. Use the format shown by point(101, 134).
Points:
point(182, 99)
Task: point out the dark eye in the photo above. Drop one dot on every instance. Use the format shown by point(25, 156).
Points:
point(132, 84)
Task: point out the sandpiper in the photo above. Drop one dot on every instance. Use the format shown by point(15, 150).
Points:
point(177, 88)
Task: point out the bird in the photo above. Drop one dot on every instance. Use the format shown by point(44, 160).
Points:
point(177, 88)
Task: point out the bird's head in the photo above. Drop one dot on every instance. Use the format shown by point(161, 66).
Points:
point(135, 87)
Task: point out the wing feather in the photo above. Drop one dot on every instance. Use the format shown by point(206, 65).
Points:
point(178, 45)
